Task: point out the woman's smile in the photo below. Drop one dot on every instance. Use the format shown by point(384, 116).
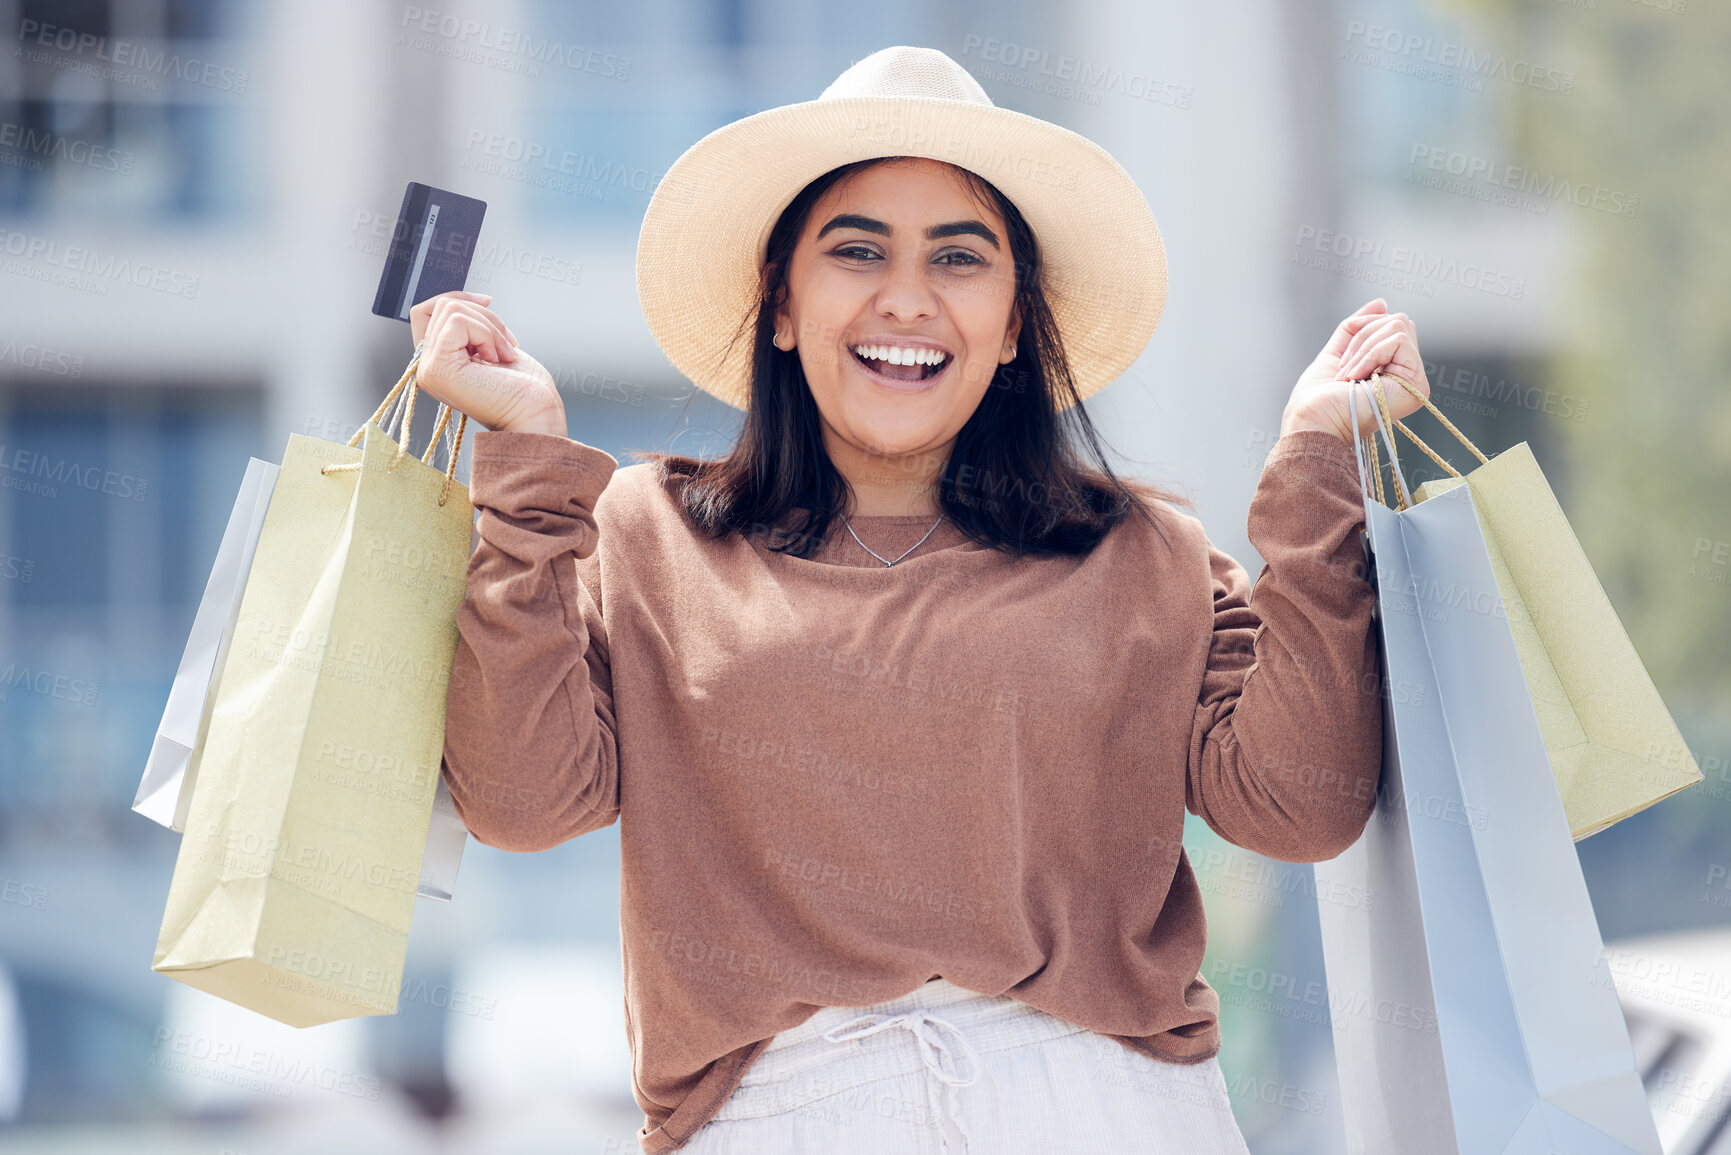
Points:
point(901, 369)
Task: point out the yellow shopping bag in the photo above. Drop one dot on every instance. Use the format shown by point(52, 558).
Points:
point(297, 872)
point(1613, 746)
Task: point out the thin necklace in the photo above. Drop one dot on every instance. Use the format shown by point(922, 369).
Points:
point(904, 553)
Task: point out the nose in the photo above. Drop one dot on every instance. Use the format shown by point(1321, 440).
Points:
point(906, 293)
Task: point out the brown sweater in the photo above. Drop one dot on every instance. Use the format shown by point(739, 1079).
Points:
point(836, 780)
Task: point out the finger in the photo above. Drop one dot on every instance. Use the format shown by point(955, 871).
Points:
point(456, 332)
point(423, 310)
point(499, 321)
point(1344, 333)
point(1377, 328)
point(1401, 400)
point(454, 295)
point(1374, 357)
point(1371, 357)
point(499, 344)
point(493, 319)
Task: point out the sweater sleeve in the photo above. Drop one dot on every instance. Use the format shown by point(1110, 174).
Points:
point(1286, 746)
point(531, 755)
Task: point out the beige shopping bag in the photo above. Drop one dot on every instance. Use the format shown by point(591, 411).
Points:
point(298, 869)
point(1613, 746)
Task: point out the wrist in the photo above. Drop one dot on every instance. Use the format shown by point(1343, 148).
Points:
point(1299, 421)
point(547, 421)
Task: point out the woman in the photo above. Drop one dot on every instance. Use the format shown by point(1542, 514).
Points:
point(900, 705)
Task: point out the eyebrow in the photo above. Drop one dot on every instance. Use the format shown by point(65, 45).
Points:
point(936, 232)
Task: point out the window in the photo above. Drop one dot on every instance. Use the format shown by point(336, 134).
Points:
point(112, 502)
point(129, 110)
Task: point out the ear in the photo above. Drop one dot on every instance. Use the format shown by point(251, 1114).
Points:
point(1012, 330)
point(782, 318)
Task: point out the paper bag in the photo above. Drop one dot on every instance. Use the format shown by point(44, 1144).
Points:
point(295, 883)
point(170, 772)
point(1614, 748)
point(1473, 1007)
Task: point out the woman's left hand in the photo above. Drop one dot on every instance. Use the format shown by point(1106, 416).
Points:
point(1370, 340)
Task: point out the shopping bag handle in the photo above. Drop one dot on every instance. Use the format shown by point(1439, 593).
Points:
point(407, 415)
point(1384, 420)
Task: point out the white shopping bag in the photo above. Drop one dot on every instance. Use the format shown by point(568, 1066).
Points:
point(171, 771)
point(1473, 1006)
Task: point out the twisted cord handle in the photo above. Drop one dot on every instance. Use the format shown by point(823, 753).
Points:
point(407, 421)
point(1394, 465)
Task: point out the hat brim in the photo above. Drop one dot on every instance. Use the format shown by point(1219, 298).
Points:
point(701, 247)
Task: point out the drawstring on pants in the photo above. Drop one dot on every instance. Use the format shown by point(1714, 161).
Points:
point(938, 1058)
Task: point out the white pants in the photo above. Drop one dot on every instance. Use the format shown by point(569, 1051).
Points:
point(948, 1070)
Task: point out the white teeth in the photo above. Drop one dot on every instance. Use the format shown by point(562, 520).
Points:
point(897, 355)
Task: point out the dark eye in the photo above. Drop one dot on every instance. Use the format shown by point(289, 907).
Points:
point(971, 259)
point(851, 250)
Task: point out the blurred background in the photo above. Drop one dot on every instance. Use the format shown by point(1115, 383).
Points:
point(195, 201)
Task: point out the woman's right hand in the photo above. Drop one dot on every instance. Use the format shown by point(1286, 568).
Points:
point(471, 362)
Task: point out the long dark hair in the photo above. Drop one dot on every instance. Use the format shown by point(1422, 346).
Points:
point(1014, 480)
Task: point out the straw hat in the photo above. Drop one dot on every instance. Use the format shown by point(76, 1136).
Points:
point(705, 232)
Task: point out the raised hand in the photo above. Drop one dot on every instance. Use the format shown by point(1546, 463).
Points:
point(470, 360)
point(1371, 340)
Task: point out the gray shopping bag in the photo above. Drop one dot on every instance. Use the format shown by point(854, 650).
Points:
point(1473, 1006)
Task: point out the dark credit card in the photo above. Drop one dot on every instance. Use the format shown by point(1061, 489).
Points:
point(431, 248)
